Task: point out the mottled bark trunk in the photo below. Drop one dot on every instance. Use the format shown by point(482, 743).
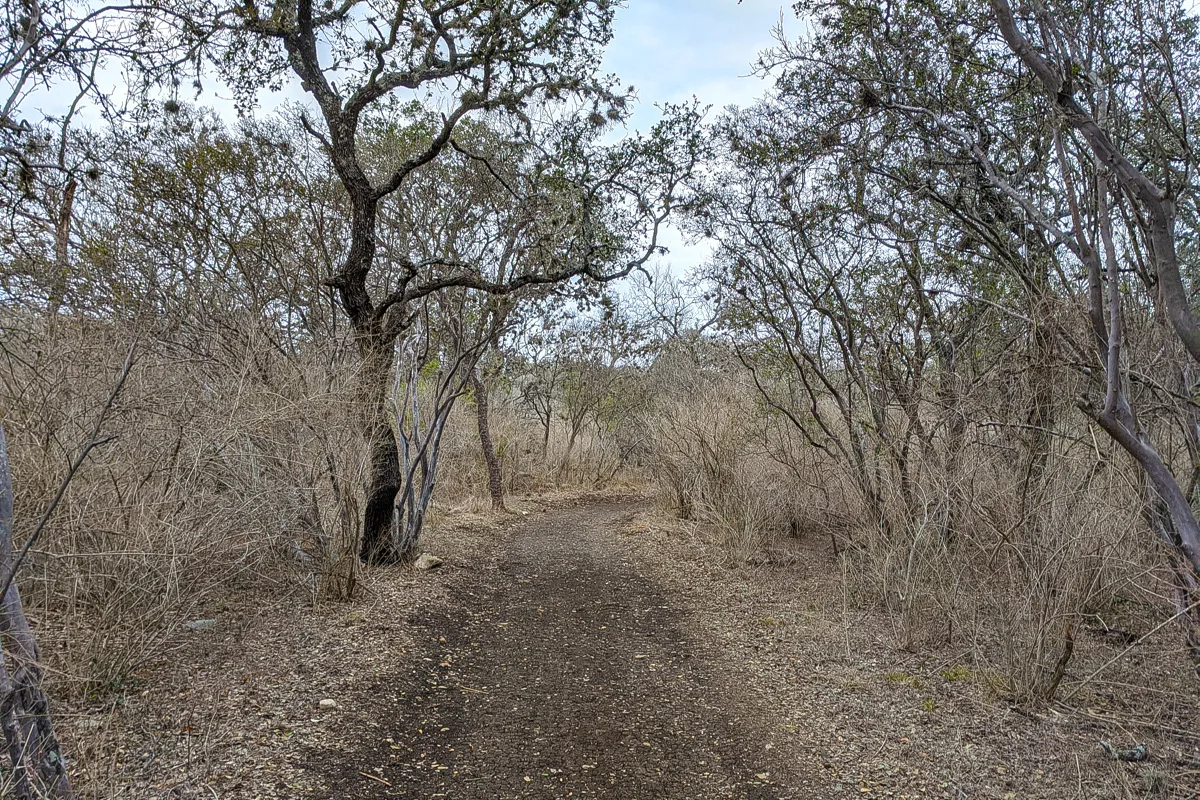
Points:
point(1117, 417)
point(495, 480)
point(383, 476)
point(410, 522)
point(38, 770)
point(62, 241)
point(421, 449)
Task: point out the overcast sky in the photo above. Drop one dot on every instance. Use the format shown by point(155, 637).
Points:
point(672, 50)
point(668, 50)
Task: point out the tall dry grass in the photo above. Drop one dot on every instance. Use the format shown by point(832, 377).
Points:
point(212, 479)
point(711, 464)
point(235, 470)
point(969, 554)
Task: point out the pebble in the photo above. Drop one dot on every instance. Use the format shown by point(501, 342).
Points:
point(427, 561)
point(200, 624)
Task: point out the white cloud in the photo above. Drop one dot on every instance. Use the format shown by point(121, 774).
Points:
point(670, 50)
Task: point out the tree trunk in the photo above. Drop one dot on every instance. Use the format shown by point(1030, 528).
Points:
point(383, 477)
point(1040, 414)
point(38, 770)
point(565, 465)
point(62, 241)
point(495, 481)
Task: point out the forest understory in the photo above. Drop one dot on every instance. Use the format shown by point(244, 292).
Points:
point(760, 680)
point(843, 441)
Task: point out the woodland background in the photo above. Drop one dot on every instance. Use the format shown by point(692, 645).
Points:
point(948, 325)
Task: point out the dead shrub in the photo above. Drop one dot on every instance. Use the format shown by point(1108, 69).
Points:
point(209, 485)
point(968, 553)
point(710, 466)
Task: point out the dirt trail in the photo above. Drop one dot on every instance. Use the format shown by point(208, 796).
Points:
point(559, 671)
point(602, 651)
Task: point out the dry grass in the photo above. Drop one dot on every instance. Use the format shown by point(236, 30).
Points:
point(710, 466)
point(982, 559)
point(235, 471)
point(857, 714)
point(233, 486)
point(192, 498)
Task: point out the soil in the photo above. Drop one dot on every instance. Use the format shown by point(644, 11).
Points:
point(595, 649)
point(560, 671)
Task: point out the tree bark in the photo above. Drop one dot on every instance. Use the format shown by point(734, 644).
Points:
point(62, 241)
point(383, 476)
point(495, 480)
point(38, 767)
point(1117, 417)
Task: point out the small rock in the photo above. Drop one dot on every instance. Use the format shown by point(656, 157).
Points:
point(1137, 753)
point(427, 561)
point(88, 724)
point(329, 703)
point(200, 624)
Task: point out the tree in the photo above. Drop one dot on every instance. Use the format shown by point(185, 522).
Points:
point(45, 43)
point(1097, 92)
point(437, 358)
point(537, 350)
point(597, 390)
point(847, 298)
point(189, 223)
point(1030, 165)
point(38, 769)
point(502, 60)
point(491, 459)
point(58, 48)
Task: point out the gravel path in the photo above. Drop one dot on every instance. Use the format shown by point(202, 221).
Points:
point(558, 671)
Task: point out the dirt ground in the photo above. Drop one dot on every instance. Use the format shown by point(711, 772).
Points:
point(592, 649)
